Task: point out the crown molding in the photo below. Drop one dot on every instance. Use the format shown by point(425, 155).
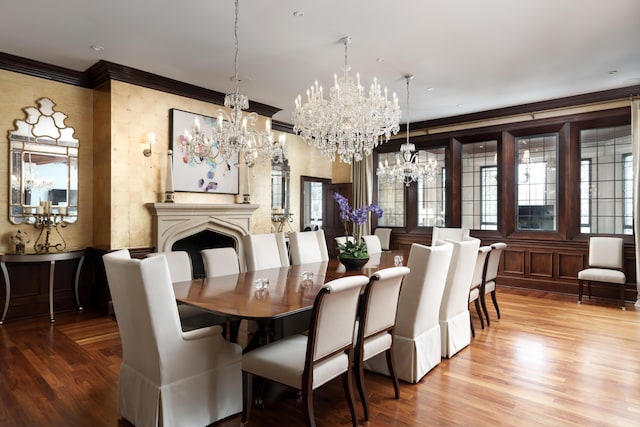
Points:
point(104, 71)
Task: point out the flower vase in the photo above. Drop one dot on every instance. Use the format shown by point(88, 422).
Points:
point(19, 248)
point(353, 264)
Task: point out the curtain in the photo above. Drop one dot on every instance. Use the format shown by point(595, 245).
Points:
point(362, 179)
point(635, 140)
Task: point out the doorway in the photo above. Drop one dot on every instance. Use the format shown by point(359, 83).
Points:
point(320, 210)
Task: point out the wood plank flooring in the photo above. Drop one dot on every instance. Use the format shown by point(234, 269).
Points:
point(547, 362)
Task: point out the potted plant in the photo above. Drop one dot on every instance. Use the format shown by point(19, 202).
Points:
point(20, 239)
point(353, 253)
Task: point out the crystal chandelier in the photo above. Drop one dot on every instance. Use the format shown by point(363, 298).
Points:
point(234, 133)
point(349, 122)
point(408, 168)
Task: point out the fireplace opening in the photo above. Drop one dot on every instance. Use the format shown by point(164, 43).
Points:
point(205, 239)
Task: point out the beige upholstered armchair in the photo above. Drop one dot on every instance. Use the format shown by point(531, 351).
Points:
point(167, 377)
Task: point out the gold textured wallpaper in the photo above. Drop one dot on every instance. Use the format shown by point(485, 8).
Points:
point(116, 180)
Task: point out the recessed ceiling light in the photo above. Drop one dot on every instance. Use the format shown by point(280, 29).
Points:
point(612, 72)
point(96, 48)
point(380, 60)
point(431, 89)
point(298, 13)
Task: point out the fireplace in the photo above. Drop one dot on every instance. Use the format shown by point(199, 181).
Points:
point(192, 227)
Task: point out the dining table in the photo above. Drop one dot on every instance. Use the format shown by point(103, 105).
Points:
point(269, 294)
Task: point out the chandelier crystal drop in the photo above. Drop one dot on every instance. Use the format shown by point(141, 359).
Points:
point(349, 122)
point(234, 133)
point(408, 167)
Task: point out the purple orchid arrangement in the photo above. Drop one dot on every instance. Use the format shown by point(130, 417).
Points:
point(353, 220)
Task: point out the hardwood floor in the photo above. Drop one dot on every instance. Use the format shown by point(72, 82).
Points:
point(547, 362)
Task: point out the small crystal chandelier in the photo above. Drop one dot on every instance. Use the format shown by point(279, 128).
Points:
point(407, 169)
point(234, 133)
point(349, 122)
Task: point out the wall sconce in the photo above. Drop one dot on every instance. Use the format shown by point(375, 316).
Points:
point(149, 139)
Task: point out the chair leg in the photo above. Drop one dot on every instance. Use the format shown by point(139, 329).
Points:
point(473, 330)
point(247, 395)
point(483, 303)
point(580, 286)
point(347, 384)
point(359, 374)
point(622, 306)
point(589, 288)
point(495, 303)
point(307, 405)
point(391, 366)
point(477, 304)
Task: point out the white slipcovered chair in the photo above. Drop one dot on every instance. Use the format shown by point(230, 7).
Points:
point(181, 270)
point(454, 308)
point(493, 262)
point(308, 246)
point(373, 244)
point(442, 233)
point(167, 377)
point(384, 234)
point(417, 333)
point(606, 265)
point(265, 251)
point(477, 282)
point(220, 262)
point(376, 324)
point(308, 362)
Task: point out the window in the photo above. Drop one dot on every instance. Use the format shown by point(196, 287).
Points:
point(431, 189)
point(390, 198)
point(607, 206)
point(536, 186)
point(480, 185)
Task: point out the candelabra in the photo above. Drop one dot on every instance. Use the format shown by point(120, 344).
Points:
point(47, 223)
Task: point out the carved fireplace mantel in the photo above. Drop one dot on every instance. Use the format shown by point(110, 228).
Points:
point(175, 221)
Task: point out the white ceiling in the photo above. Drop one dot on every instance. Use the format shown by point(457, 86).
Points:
point(477, 55)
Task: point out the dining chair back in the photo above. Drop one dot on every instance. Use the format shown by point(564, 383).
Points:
point(448, 233)
point(454, 308)
point(220, 261)
point(493, 263)
point(376, 324)
point(606, 265)
point(384, 234)
point(179, 263)
point(417, 339)
point(373, 244)
point(265, 251)
point(477, 282)
point(306, 362)
point(181, 270)
point(167, 376)
point(308, 246)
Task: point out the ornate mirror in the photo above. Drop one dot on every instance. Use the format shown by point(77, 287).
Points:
point(43, 165)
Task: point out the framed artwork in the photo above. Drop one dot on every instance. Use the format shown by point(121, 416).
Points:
point(195, 173)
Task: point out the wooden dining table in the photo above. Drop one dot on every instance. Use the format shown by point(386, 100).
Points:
point(290, 290)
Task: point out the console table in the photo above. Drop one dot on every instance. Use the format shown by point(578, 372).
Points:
point(50, 258)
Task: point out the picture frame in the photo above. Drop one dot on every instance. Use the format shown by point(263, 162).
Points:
point(210, 174)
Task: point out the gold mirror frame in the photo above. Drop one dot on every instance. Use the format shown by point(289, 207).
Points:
point(43, 165)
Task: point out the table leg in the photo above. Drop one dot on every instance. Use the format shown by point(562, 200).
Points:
point(52, 270)
point(7, 286)
point(77, 281)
